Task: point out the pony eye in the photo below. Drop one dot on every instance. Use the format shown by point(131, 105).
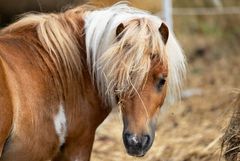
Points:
point(160, 83)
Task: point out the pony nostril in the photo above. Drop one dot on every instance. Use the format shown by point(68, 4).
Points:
point(126, 138)
point(134, 140)
point(145, 140)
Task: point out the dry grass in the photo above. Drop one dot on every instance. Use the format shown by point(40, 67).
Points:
point(231, 139)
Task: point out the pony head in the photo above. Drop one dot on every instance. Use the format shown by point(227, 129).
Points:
point(136, 63)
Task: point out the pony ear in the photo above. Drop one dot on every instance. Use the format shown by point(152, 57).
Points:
point(119, 29)
point(163, 29)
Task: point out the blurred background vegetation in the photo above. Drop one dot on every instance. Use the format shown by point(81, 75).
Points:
point(190, 130)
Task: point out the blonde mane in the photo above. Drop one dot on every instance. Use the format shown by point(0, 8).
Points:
point(121, 66)
point(117, 66)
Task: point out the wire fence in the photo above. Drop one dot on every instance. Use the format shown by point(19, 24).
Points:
point(203, 11)
point(169, 11)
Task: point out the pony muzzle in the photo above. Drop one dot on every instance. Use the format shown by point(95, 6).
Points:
point(137, 145)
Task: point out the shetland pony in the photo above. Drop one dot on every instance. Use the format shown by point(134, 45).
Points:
point(61, 74)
